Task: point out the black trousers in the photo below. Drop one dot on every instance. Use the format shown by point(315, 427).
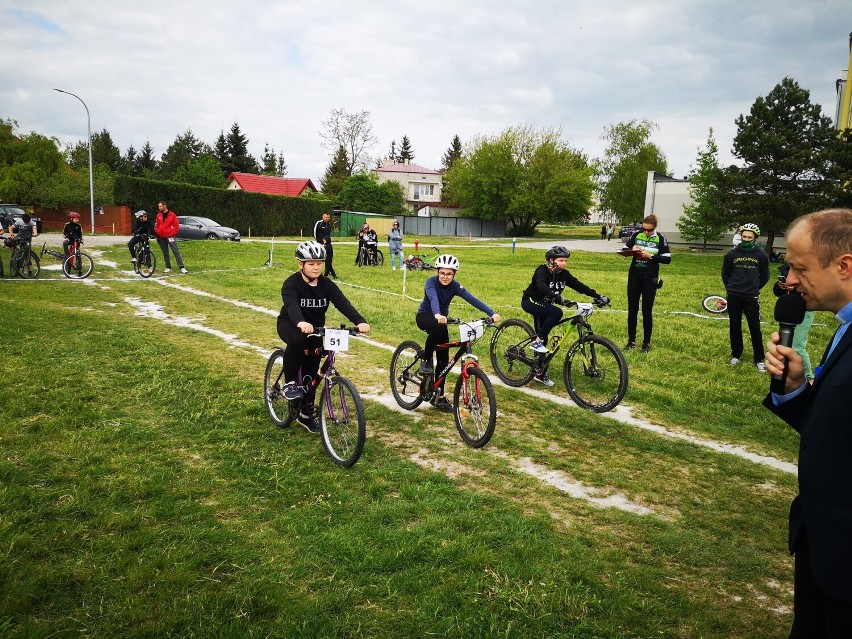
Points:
point(750, 306)
point(295, 356)
point(640, 285)
point(329, 258)
point(436, 334)
point(815, 614)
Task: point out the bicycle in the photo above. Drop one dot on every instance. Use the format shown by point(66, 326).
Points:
point(420, 262)
point(715, 304)
point(595, 371)
point(343, 423)
point(76, 265)
point(24, 261)
point(475, 407)
point(146, 261)
point(370, 256)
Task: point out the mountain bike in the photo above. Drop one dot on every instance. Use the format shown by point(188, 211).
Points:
point(475, 407)
point(370, 256)
point(146, 261)
point(24, 262)
point(595, 371)
point(76, 265)
point(715, 304)
point(343, 422)
point(421, 261)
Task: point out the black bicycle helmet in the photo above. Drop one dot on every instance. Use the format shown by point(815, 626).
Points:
point(557, 251)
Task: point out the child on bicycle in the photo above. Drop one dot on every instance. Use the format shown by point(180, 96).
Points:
point(24, 229)
point(439, 291)
point(548, 282)
point(72, 231)
point(143, 229)
point(368, 241)
point(306, 296)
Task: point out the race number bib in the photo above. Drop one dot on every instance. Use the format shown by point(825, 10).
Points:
point(471, 331)
point(335, 340)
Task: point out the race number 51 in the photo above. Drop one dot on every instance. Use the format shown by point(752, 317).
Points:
point(336, 340)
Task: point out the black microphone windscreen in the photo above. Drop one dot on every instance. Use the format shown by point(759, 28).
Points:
point(790, 309)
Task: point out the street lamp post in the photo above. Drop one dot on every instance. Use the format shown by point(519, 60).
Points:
point(91, 173)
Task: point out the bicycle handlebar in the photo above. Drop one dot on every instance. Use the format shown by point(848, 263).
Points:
point(319, 332)
point(455, 320)
point(599, 302)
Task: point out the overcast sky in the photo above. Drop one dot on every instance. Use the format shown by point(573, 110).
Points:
point(150, 70)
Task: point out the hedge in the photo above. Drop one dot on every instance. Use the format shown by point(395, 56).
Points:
point(264, 214)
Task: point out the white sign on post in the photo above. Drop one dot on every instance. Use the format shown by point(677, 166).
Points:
point(335, 340)
point(471, 331)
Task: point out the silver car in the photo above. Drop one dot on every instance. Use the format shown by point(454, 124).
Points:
point(203, 228)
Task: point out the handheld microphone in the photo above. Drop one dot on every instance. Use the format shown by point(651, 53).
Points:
point(789, 312)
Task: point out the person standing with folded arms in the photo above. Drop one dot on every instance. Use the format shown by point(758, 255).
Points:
point(819, 252)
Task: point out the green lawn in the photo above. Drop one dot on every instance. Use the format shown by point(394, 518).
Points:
point(144, 491)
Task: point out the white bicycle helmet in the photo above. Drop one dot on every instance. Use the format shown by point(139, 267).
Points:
point(751, 226)
point(140, 214)
point(447, 261)
point(310, 251)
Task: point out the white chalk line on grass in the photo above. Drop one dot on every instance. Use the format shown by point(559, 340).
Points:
point(622, 413)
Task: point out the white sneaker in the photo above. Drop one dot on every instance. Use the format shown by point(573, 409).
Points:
point(167, 270)
point(735, 361)
point(183, 270)
point(393, 268)
point(760, 366)
point(133, 260)
point(539, 347)
point(543, 379)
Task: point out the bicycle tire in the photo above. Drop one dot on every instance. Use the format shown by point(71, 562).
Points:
point(29, 268)
point(475, 407)
point(1, 268)
point(597, 379)
point(281, 411)
point(81, 270)
point(146, 265)
point(508, 344)
point(715, 304)
point(380, 257)
point(405, 382)
point(343, 422)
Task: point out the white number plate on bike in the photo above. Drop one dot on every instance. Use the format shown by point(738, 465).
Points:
point(335, 340)
point(471, 331)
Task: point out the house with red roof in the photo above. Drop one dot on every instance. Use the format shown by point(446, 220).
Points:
point(271, 184)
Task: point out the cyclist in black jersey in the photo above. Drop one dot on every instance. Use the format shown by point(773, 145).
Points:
point(643, 279)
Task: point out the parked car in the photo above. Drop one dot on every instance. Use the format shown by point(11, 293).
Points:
point(625, 232)
point(9, 213)
point(203, 228)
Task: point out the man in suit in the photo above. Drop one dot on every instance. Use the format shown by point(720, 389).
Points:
point(819, 251)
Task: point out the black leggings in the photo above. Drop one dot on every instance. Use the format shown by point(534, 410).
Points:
point(295, 357)
point(545, 316)
point(436, 334)
point(748, 305)
point(644, 286)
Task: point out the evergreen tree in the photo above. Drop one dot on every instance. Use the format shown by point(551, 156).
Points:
point(392, 155)
point(104, 151)
point(336, 173)
point(706, 218)
point(220, 152)
point(237, 149)
point(405, 150)
point(146, 163)
point(181, 152)
point(273, 164)
point(128, 162)
point(452, 154)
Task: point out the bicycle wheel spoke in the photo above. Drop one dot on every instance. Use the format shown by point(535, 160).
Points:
point(475, 408)
point(595, 373)
point(512, 360)
point(404, 377)
point(281, 411)
point(343, 422)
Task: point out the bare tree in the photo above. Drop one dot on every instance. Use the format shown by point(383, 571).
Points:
point(353, 132)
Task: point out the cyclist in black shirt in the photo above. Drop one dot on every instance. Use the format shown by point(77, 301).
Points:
point(143, 229)
point(73, 232)
point(306, 296)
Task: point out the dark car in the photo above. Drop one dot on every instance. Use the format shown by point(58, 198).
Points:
point(626, 231)
point(9, 213)
point(203, 228)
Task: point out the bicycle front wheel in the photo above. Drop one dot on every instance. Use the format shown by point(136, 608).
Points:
point(404, 375)
point(715, 304)
point(77, 267)
point(343, 422)
point(512, 363)
point(281, 411)
point(475, 407)
point(28, 265)
point(595, 373)
point(380, 257)
point(146, 262)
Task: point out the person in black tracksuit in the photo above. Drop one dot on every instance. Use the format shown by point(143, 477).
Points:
point(143, 229)
point(306, 296)
point(745, 271)
point(643, 279)
point(322, 234)
point(72, 232)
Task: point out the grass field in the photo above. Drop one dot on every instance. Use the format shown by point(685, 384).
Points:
point(144, 491)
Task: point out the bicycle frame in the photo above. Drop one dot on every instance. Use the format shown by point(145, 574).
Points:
point(583, 328)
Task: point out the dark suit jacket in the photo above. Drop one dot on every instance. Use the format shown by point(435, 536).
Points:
point(823, 509)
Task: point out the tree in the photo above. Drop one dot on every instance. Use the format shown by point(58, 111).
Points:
point(453, 153)
point(204, 171)
point(146, 163)
point(272, 164)
point(362, 192)
point(524, 177)
point(392, 154)
point(237, 147)
point(336, 173)
point(405, 150)
point(128, 162)
point(787, 146)
point(706, 218)
point(624, 168)
point(353, 132)
point(181, 152)
point(104, 151)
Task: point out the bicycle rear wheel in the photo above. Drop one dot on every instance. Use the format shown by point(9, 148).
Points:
point(77, 267)
point(512, 363)
point(404, 377)
point(715, 304)
point(281, 411)
point(28, 265)
point(475, 407)
point(380, 257)
point(343, 422)
point(595, 373)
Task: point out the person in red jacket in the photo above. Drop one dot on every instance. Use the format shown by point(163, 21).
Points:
point(166, 228)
